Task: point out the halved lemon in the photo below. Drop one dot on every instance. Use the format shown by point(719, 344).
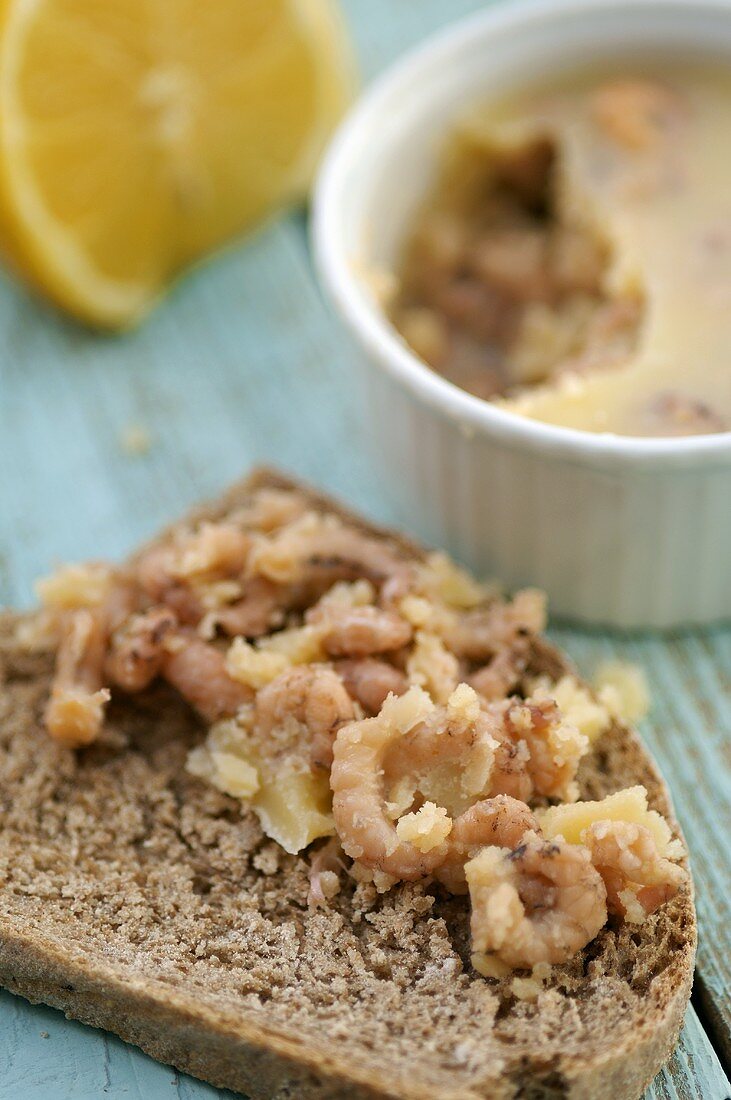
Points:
point(137, 135)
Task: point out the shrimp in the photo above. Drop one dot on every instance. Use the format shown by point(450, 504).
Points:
point(637, 878)
point(313, 697)
point(501, 821)
point(325, 865)
point(363, 631)
point(479, 634)
point(510, 774)
point(411, 746)
point(538, 903)
point(366, 832)
point(75, 711)
point(535, 750)
point(198, 671)
point(260, 609)
point(554, 746)
point(449, 757)
point(636, 113)
point(174, 574)
point(369, 681)
point(269, 509)
point(171, 573)
point(214, 550)
point(315, 554)
point(503, 673)
point(460, 754)
point(136, 650)
point(155, 575)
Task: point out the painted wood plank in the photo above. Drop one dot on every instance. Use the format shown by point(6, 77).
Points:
point(694, 1071)
point(689, 732)
point(45, 1054)
point(243, 364)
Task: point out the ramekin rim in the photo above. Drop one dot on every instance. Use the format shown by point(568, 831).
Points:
point(371, 325)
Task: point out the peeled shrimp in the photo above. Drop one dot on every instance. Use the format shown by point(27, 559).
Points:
point(156, 578)
point(369, 681)
point(198, 671)
point(536, 752)
point(75, 710)
point(542, 902)
point(260, 609)
point(136, 649)
point(313, 697)
point(169, 574)
point(500, 821)
point(411, 744)
point(480, 634)
point(363, 631)
point(501, 676)
point(325, 867)
point(555, 747)
point(637, 113)
point(638, 879)
point(318, 554)
point(214, 550)
point(461, 736)
point(510, 774)
point(366, 832)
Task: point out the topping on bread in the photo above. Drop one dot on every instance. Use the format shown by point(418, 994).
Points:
point(353, 691)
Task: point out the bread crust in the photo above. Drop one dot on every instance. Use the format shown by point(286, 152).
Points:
point(221, 1042)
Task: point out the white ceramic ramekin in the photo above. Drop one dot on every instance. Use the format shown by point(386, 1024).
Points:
point(622, 531)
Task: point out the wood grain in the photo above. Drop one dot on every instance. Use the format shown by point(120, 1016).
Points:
point(241, 364)
point(689, 732)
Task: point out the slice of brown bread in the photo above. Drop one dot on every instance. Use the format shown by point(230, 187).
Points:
point(137, 899)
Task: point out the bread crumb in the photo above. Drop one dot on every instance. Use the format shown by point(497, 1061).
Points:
point(622, 689)
point(426, 828)
point(37, 633)
point(267, 859)
point(135, 440)
point(383, 881)
point(44, 1035)
point(529, 989)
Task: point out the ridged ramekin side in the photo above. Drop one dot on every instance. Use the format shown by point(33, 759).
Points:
point(619, 531)
point(627, 548)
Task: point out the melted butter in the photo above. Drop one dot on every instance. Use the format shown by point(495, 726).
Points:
point(664, 207)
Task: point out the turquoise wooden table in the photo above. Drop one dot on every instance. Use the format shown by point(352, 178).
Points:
point(244, 364)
